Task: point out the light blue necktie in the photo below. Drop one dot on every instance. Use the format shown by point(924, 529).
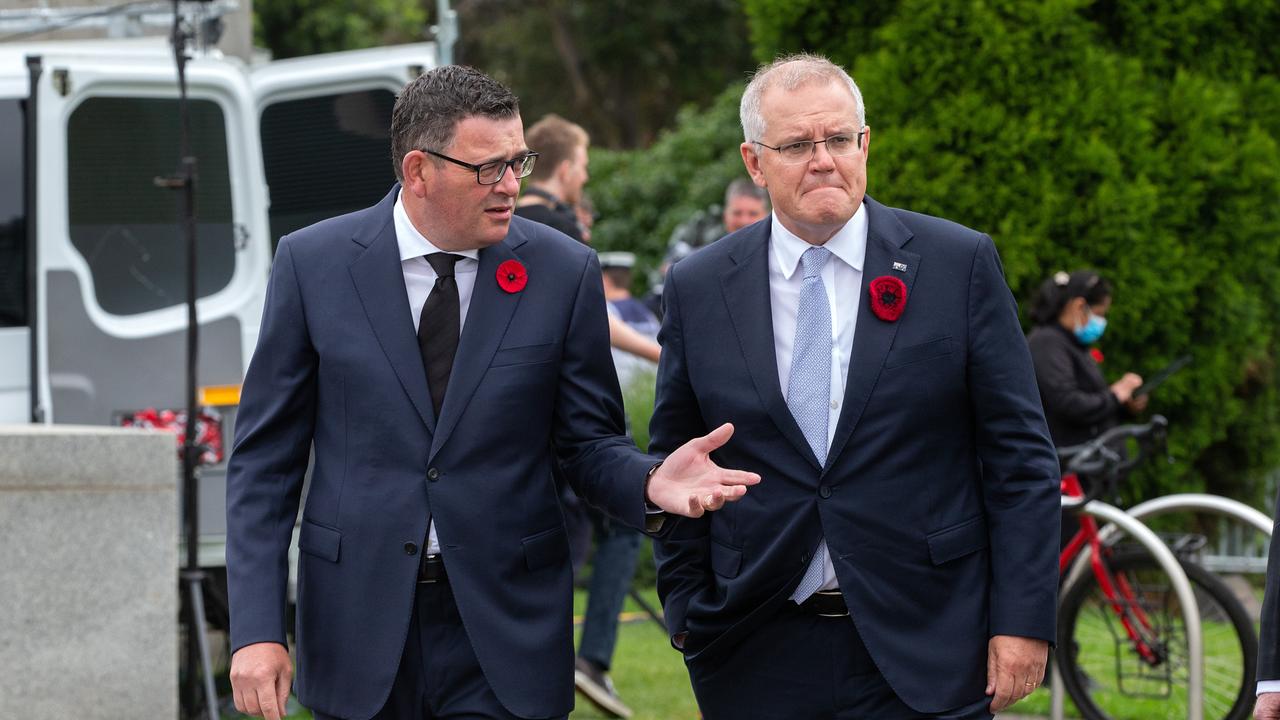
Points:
point(809, 386)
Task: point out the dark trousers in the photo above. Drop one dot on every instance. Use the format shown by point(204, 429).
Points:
point(439, 676)
point(797, 665)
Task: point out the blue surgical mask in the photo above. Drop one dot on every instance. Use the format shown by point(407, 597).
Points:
point(1092, 330)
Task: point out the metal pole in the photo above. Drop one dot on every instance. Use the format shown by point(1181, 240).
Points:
point(30, 161)
point(1181, 587)
point(198, 663)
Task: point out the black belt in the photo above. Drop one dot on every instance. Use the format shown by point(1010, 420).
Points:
point(825, 603)
point(431, 570)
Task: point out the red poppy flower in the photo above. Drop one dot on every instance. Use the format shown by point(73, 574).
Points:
point(512, 276)
point(888, 297)
point(1096, 354)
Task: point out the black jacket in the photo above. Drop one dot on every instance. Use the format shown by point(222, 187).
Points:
point(1078, 402)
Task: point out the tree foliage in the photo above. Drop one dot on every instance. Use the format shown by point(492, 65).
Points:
point(291, 28)
point(619, 68)
point(1138, 138)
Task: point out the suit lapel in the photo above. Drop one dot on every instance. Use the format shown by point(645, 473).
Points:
point(488, 316)
point(872, 337)
point(379, 282)
point(746, 295)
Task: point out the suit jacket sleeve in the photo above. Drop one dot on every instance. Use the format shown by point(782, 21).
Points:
point(1269, 635)
point(682, 555)
point(274, 427)
point(1020, 482)
point(597, 458)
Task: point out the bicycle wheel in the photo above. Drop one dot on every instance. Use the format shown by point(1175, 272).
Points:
point(1107, 676)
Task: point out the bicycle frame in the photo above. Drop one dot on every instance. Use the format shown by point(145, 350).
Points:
point(1116, 588)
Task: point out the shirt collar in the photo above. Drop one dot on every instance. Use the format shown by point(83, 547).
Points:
point(849, 243)
point(414, 244)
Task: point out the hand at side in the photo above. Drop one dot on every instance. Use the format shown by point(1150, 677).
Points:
point(261, 675)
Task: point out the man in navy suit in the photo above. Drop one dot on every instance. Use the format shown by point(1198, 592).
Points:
point(899, 557)
point(438, 356)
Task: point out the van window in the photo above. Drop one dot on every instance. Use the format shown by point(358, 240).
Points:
point(13, 233)
point(325, 156)
point(128, 229)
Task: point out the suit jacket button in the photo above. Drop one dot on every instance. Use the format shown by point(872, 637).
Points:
point(410, 548)
point(824, 492)
point(433, 474)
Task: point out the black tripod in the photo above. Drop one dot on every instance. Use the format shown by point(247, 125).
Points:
point(192, 578)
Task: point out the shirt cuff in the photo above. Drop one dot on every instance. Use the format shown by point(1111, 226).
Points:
point(1268, 686)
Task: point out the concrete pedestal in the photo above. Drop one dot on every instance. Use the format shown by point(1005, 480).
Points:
point(88, 573)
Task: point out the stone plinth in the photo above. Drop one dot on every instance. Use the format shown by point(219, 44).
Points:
point(88, 573)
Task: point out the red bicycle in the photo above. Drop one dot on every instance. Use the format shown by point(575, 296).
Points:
point(1122, 645)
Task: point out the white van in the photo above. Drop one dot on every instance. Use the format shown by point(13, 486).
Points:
point(92, 259)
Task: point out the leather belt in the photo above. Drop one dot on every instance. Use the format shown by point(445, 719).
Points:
point(431, 570)
point(825, 603)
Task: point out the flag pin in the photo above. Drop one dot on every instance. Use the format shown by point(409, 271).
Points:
point(900, 267)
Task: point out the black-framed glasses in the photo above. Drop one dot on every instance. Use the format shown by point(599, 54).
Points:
point(491, 173)
point(802, 151)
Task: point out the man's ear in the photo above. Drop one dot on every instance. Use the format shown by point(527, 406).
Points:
point(416, 168)
point(752, 161)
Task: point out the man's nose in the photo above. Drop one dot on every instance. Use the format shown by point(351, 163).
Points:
point(509, 184)
point(822, 161)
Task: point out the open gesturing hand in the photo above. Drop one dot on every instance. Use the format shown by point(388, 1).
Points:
point(688, 483)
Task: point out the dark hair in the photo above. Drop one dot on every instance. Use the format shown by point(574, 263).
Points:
point(430, 107)
point(1062, 288)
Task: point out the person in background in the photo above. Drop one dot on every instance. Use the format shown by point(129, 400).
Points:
point(744, 204)
point(1070, 315)
point(617, 547)
point(555, 185)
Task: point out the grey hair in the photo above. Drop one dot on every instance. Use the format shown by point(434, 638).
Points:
point(791, 72)
point(742, 187)
point(428, 111)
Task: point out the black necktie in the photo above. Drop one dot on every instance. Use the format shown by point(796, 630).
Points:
point(438, 327)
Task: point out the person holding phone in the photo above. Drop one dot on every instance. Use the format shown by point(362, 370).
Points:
point(1070, 315)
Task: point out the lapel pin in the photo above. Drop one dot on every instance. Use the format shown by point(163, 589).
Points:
point(900, 267)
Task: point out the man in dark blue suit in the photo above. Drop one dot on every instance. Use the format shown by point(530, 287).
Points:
point(899, 558)
point(433, 572)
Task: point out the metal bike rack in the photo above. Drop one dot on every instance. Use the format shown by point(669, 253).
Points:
point(1199, 501)
point(1119, 520)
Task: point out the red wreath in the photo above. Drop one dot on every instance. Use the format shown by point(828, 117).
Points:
point(888, 297)
point(1096, 354)
point(512, 276)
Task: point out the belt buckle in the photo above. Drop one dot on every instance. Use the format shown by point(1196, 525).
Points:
point(832, 593)
point(428, 560)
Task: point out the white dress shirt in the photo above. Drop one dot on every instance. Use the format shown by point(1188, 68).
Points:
point(842, 277)
point(419, 277)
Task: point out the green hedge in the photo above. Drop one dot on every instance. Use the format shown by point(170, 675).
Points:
point(1138, 138)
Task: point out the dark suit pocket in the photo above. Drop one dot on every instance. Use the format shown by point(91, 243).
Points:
point(725, 561)
point(546, 548)
point(958, 540)
point(918, 352)
point(526, 354)
point(319, 541)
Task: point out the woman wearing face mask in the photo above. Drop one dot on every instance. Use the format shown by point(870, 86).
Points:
point(1070, 315)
